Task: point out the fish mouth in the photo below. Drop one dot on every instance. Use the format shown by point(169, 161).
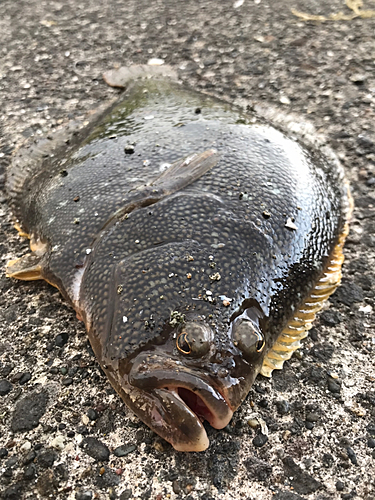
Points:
point(174, 401)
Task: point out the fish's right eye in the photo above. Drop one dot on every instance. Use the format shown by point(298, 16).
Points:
point(182, 343)
point(194, 340)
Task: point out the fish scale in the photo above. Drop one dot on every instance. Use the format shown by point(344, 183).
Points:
point(196, 242)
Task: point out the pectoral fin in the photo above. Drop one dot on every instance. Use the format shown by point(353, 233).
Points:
point(185, 171)
point(26, 268)
point(180, 174)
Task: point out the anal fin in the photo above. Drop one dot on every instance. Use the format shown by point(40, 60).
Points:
point(298, 326)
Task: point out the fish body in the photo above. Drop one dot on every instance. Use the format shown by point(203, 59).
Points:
point(195, 242)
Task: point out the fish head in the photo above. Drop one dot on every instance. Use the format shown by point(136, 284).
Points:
point(196, 370)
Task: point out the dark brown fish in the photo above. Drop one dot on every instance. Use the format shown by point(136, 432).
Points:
point(196, 243)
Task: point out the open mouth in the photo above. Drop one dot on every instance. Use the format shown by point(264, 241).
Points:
point(199, 407)
point(196, 404)
point(175, 402)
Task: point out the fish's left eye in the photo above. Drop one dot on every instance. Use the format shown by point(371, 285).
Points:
point(194, 340)
point(248, 339)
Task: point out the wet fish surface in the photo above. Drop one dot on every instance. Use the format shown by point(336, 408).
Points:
point(196, 242)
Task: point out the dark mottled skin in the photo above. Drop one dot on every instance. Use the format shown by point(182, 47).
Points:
point(225, 233)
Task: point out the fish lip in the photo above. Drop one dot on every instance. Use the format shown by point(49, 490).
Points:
point(176, 379)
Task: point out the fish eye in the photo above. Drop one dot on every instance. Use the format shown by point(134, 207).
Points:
point(183, 343)
point(194, 340)
point(248, 339)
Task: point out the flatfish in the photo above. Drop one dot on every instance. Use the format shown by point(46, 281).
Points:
point(195, 241)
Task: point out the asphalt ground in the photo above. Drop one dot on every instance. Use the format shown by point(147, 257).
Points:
point(320, 410)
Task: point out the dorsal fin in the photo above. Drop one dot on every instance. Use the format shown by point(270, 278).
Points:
point(28, 161)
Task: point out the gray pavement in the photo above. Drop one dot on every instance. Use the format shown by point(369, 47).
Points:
point(64, 434)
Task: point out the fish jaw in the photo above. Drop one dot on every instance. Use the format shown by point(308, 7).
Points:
point(174, 403)
point(166, 414)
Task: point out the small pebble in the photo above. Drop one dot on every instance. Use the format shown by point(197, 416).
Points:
point(3, 452)
point(11, 461)
point(28, 411)
point(176, 487)
point(290, 224)
point(263, 403)
point(349, 496)
point(29, 472)
point(29, 457)
point(333, 386)
point(328, 460)
point(283, 407)
point(95, 449)
point(155, 61)
point(84, 495)
point(61, 339)
point(25, 447)
point(25, 378)
point(83, 430)
point(122, 451)
point(92, 414)
point(371, 443)
point(126, 494)
point(286, 435)
point(352, 456)
point(260, 440)
point(312, 417)
point(58, 443)
point(85, 419)
point(253, 423)
point(340, 486)
point(5, 387)
point(67, 381)
point(284, 99)
point(47, 458)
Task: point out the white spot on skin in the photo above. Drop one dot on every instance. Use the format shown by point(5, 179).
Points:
point(164, 166)
point(290, 224)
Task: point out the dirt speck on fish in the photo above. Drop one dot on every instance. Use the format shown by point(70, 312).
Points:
point(198, 188)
